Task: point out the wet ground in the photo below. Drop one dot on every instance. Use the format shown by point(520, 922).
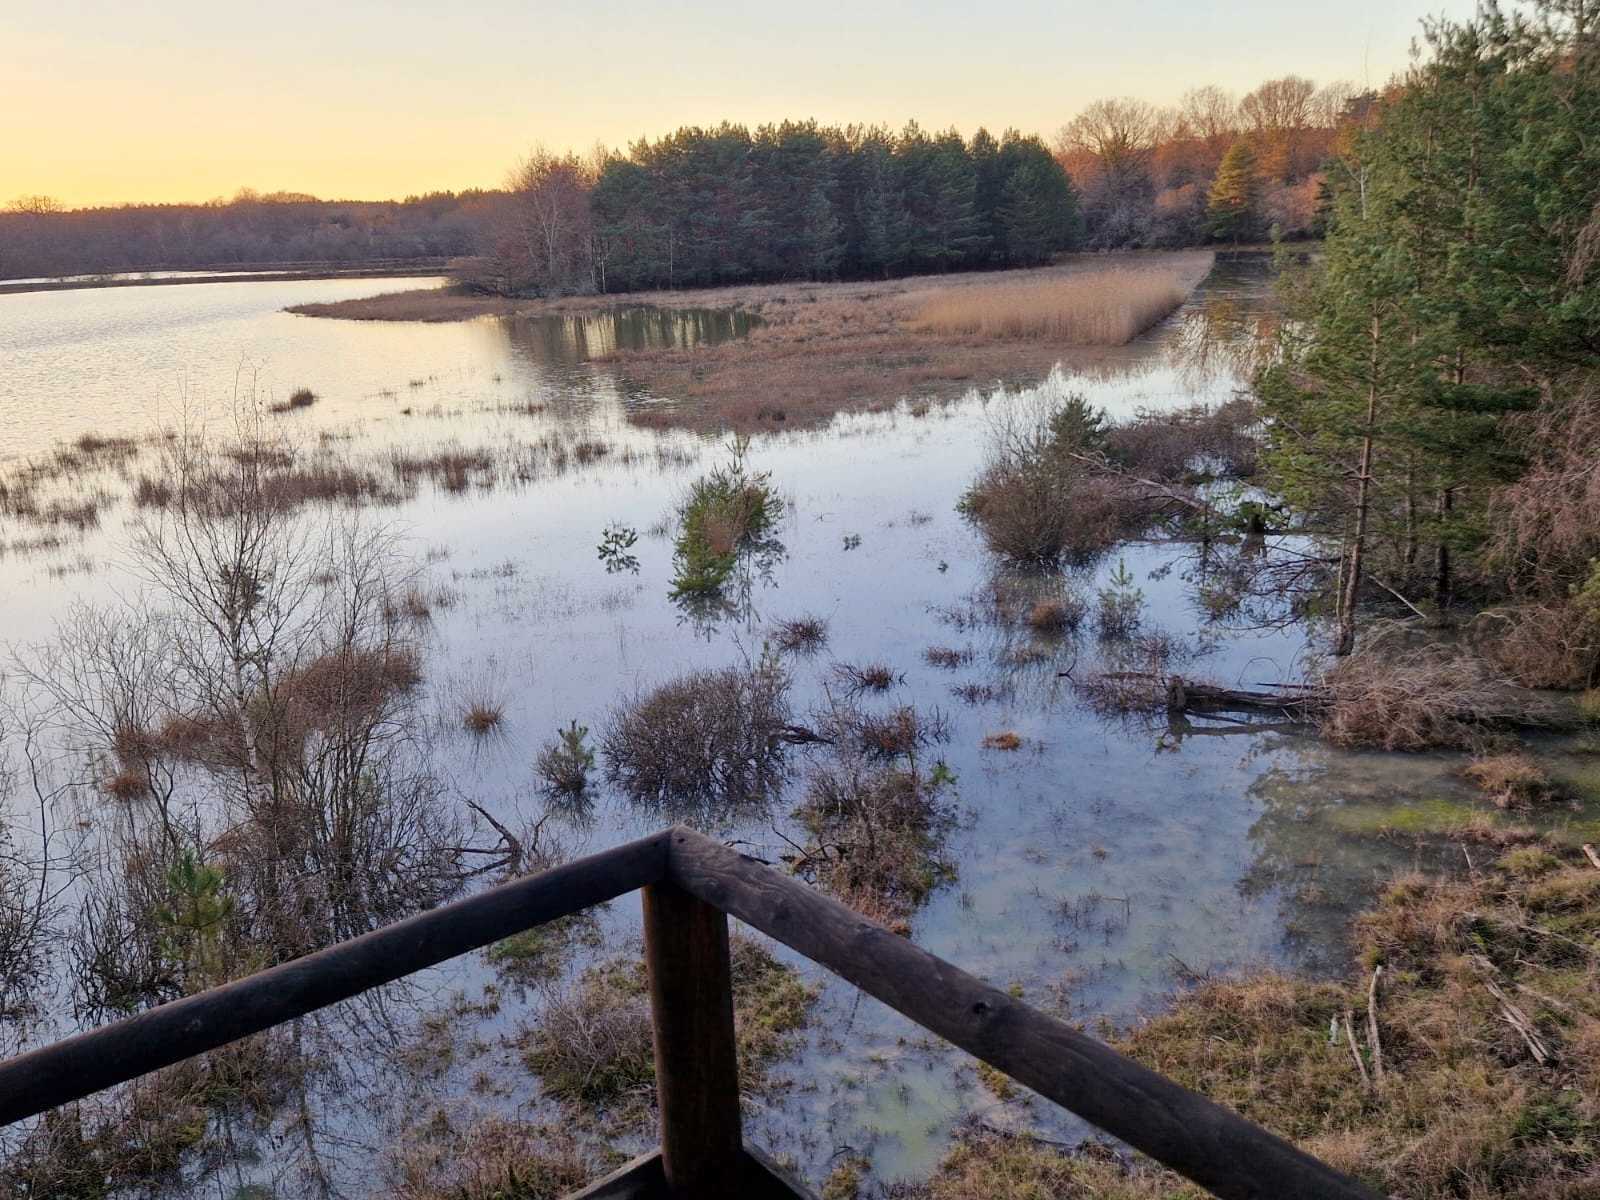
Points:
point(1097, 867)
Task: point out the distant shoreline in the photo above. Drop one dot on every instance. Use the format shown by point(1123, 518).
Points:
point(424, 267)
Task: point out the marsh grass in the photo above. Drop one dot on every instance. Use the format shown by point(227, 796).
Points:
point(593, 1044)
point(868, 677)
point(298, 399)
point(802, 635)
point(1108, 307)
point(492, 1158)
point(1464, 1107)
point(1513, 779)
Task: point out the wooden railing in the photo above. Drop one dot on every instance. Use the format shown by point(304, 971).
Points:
point(690, 886)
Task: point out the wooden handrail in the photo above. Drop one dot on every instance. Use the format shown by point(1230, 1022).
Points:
point(1198, 1138)
point(90, 1062)
point(690, 882)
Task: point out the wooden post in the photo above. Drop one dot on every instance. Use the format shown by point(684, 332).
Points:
point(697, 1068)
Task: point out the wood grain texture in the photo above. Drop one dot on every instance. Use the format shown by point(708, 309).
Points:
point(90, 1062)
point(1218, 1149)
point(697, 1067)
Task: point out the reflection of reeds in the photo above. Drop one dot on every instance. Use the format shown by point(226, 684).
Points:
point(1090, 308)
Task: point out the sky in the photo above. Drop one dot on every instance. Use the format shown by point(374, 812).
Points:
point(186, 100)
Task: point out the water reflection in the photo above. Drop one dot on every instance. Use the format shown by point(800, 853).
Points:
point(563, 339)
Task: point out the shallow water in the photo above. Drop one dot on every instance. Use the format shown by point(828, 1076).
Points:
point(1097, 867)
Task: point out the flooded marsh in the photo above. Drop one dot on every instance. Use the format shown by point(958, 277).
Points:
point(489, 594)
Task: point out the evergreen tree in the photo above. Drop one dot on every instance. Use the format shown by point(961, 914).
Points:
point(1231, 204)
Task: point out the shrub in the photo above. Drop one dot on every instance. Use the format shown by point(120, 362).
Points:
point(1414, 699)
point(710, 737)
point(728, 513)
point(1120, 607)
point(948, 657)
point(565, 763)
point(593, 1046)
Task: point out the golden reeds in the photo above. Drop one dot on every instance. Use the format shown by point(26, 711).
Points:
point(1107, 307)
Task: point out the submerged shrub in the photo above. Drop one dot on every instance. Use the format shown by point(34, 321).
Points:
point(1120, 607)
point(728, 513)
point(565, 763)
point(711, 737)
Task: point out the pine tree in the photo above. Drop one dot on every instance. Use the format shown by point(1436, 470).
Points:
point(1231, 204)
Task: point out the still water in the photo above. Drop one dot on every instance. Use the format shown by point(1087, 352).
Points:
point(1097, 868)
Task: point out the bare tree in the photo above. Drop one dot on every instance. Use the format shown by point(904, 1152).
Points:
point(545, 239)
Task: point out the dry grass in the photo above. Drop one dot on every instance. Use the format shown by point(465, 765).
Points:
point(1056, 616)
point(592, 1046)
point(1427, 697)
point(1006, 740)
point(482, 717)
point(1464, 1108)
point(299, 398)
point(803, 635)
point(1107, 307)
point(821, 348)
point(870, 677)
point(493, 1158)
point(1513, 779)
point(947, 657)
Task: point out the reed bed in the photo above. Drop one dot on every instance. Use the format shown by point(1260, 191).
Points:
point(1107, 307)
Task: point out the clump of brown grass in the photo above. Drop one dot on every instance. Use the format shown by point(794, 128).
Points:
point(1056, 615)
point(299, 398)
point(126, 784)
point(947, 657)
point(1006, 740)
point(152, 493)
point(1512, 779)
point(869, 677)
point(482, 716)
point(1424, 697)
point(1090, 308)
point(493, 1158)
point(451, 468)
point(803, 635)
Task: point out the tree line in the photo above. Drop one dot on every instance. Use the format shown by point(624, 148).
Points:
point(796, 200)
point(41, 238)
point(1437, 405)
